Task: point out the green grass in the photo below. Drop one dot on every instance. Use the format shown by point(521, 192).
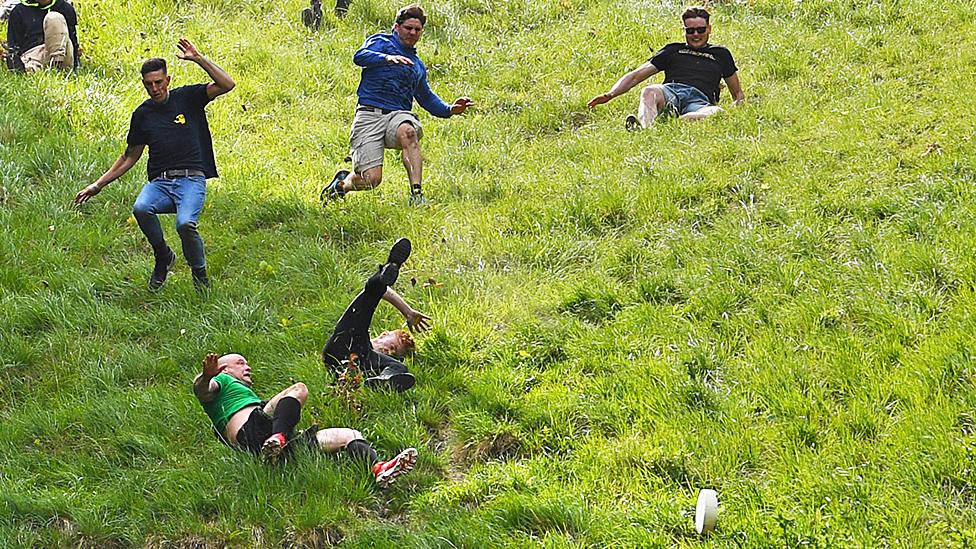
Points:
point(778, 303)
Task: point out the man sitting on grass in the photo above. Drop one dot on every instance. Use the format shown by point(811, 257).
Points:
point(692, 71)
point(246, 422)
point(42, 35)
point(350, 342)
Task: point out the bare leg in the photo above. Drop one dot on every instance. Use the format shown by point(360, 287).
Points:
point(409, 142)
point(297, 391)
point(335, 439)
point(701, 113)
point(369, 179)
point(651, 104)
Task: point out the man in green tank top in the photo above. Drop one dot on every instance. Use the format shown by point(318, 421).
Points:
point(246, 422)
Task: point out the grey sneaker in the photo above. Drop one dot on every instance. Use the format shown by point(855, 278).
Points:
point(417, 198)
point(333, 190)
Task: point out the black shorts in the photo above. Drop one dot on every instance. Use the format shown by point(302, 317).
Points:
point(257, 429)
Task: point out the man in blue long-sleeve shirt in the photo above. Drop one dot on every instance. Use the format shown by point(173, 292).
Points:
point(393, 76)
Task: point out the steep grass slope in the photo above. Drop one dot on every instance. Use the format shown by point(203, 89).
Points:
point(777, 303)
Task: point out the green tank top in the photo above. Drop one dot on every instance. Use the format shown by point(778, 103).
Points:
point(232, 396)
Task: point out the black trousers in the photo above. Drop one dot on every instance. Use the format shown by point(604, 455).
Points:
point(351, 335)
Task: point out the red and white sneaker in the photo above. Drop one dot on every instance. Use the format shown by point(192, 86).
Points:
point(387, 471)
point(272, 448)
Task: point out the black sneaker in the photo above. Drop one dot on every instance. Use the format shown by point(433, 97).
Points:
point(389, 273)
point(312, 16)
point(342, 8)
point(399, 381)
point(631, 123)
point(333, 190)
point(160, 270)
point(399, 252)
point(200, 279)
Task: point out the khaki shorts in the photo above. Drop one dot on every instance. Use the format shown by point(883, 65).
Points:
point(374, 131)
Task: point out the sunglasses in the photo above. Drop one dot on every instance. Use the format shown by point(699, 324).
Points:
point(695, 30)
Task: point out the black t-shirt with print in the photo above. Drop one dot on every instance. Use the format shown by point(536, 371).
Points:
point(176, 132)
point(702, 68)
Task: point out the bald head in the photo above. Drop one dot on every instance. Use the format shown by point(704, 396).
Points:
point(236, 366)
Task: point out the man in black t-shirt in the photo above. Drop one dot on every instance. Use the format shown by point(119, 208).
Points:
point(174, 126)
point(692, 71)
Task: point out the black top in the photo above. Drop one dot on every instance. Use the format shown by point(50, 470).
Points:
point(176, 132)
point(702, 68)
point(25, 28)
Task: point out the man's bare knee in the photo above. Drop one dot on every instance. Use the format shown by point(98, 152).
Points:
point(372, 178)
point(407, 135)
point(298, 391)
point(652, 95)
point(336, 438)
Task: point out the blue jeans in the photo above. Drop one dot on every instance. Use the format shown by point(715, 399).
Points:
point(183, 196)
point(683, 99)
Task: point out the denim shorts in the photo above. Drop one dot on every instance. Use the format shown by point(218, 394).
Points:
point(682, 98)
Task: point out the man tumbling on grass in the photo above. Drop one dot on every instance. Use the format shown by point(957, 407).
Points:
point(350, 342)
point(246, 422)
point(267, 428)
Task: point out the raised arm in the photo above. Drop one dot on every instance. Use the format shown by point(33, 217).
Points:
point(222, 82)
point(369, 55)
point(204, 387)
point(735, 88)
point(127, 160)
point(416, 320)
point(626, 82)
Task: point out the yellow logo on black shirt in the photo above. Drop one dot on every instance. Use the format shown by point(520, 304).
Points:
point(180, 119)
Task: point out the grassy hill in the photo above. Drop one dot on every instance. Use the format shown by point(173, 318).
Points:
point(777, 303)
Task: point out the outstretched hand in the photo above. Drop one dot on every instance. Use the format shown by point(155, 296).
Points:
point(599, 100)
point(85, 194)
point(399, 60)
point(187, 50)
point(417, 321)
point(210, 366)
point(461, 104)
